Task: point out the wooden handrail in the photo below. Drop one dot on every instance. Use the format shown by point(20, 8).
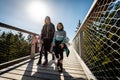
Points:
point(6, 64)
point(15, 28)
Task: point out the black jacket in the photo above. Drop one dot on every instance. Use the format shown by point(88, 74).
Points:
point(50, 33)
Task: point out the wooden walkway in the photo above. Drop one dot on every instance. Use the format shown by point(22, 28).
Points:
point(30, 71)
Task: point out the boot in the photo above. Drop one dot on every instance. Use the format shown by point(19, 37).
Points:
point(39, 62)
point(53, 57)
point(61, 68)
point(58, 63)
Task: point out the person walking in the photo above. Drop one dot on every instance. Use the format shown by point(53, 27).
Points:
point(59, 45)
point(47, 35)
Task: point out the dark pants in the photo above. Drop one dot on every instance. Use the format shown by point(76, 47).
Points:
point(44, 49)
point(58, 50)
point(47, 46)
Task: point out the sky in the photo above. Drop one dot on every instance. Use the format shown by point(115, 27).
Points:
point(30, 14)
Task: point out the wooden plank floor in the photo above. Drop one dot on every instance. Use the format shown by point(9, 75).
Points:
point(30, 71)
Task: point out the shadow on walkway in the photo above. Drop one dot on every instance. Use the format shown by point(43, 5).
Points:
point(67, 76)
point(28, 70)
point(46, 73)
point(51, 73)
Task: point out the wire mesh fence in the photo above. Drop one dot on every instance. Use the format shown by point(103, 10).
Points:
point(101, 40)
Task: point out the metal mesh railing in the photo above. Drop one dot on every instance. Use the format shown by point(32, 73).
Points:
point(101, 38)
point(14, 43)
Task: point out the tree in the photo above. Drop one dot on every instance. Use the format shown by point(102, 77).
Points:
point(13, 46)
point(79, 23)
point(3, 55)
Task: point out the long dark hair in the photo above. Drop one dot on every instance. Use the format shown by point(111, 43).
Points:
point(47, 17)
point(61, 25)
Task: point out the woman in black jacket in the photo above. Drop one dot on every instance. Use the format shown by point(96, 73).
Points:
point(47, 35)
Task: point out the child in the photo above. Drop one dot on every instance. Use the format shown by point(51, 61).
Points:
point(59, 45)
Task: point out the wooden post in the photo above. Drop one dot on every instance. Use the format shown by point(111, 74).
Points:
point(32, 48)
point(81, 44)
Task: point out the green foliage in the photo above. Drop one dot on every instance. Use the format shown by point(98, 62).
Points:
point(106, 61)
point(13, 46)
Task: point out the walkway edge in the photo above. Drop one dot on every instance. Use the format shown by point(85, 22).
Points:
point(88, 73)
point(8, 68)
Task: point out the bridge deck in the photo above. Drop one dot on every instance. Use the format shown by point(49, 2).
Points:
point(30, 71)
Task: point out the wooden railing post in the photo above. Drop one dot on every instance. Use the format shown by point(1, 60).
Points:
point(32, 48)
point(81, 43)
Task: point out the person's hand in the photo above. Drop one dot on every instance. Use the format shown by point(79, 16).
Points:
point(41, 41)
point(53, 45)
point(51, 49)
point(62, 45)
